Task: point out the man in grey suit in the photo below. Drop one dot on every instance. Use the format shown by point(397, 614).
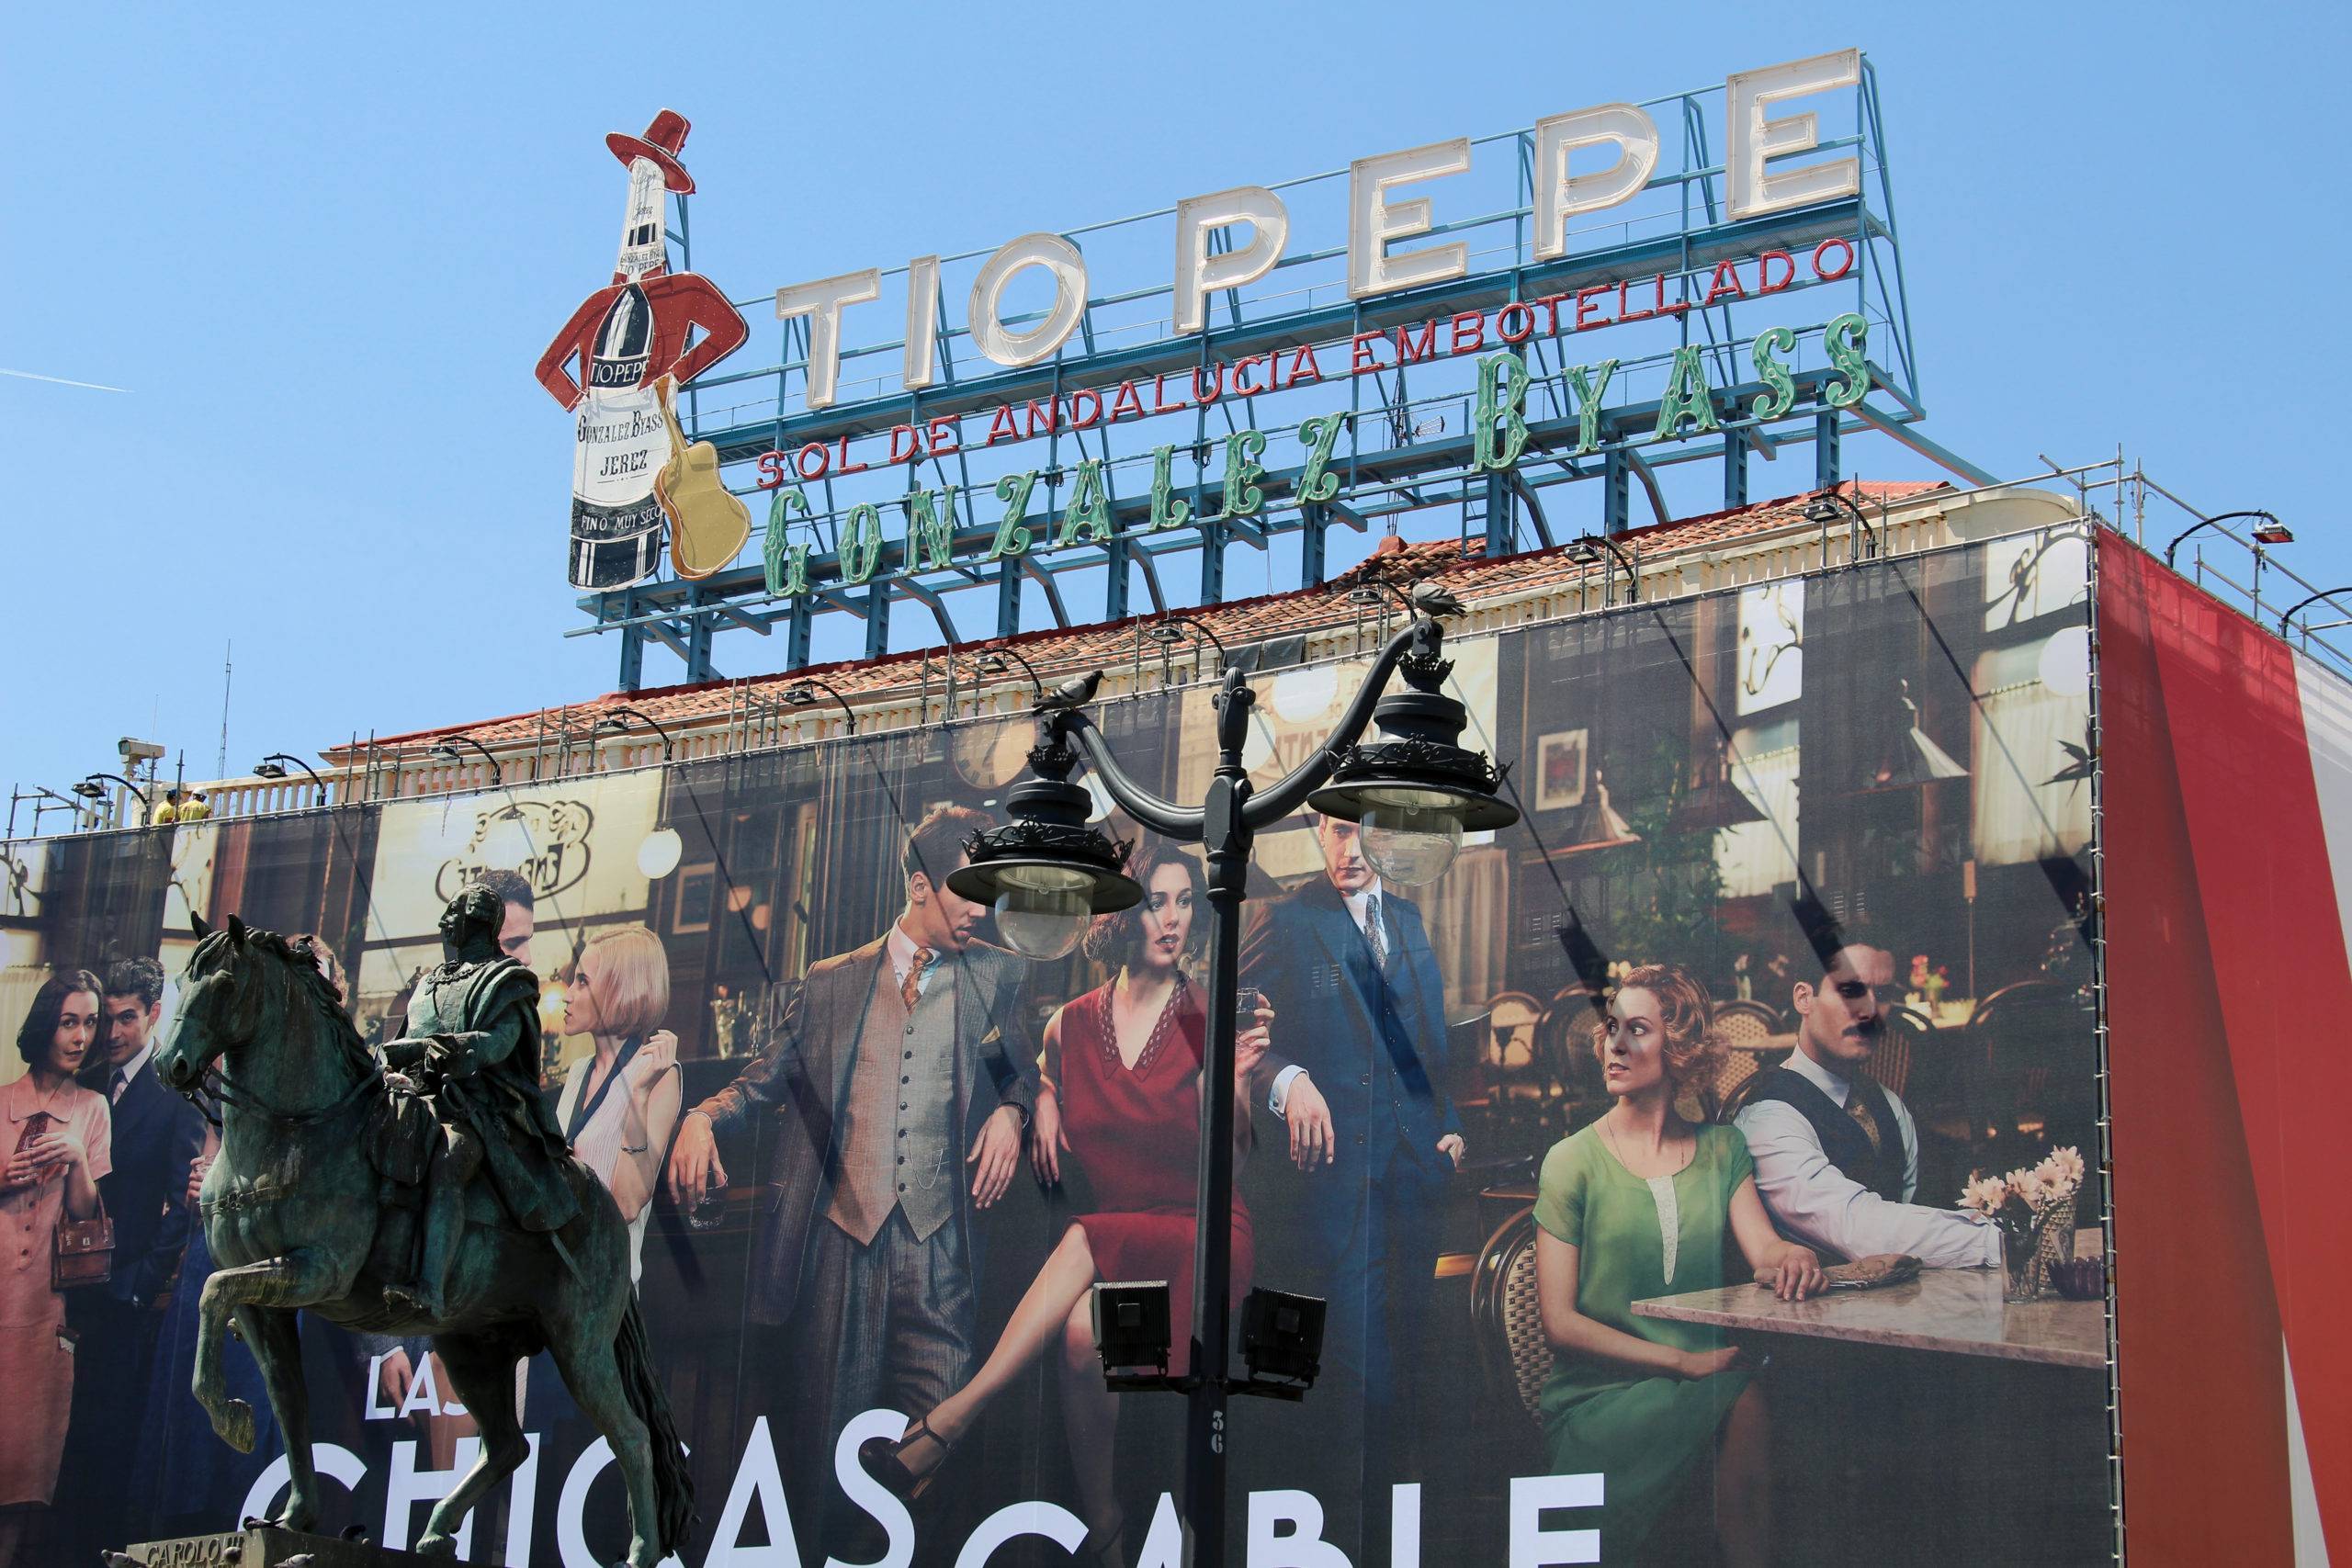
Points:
point(905, 1074)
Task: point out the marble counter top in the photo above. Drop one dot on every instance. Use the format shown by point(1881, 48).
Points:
point(1958, 1311)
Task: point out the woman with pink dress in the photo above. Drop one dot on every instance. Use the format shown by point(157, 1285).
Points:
point(1120, 1095)
point(57, 1138)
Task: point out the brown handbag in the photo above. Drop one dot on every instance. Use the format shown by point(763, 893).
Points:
point(82, 1251)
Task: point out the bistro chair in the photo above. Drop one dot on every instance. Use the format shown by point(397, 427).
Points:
point(1507, 1317)
point(2029, 1078)
point(1751, 1032)
point(1564, 1050)
point(1746, 1023)
point(1908, 1031)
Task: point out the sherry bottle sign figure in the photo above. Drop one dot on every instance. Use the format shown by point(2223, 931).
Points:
point(625, 339)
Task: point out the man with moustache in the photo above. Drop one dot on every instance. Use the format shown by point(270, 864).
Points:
point(1362, 1085)
point(904, 1075)
point(1837, 1154)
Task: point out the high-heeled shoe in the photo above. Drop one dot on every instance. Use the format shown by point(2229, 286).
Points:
point(879, 1458)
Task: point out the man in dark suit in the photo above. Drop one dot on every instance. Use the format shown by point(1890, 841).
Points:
point(156, 1137)
point(1359, 1074)
point(904, 1075)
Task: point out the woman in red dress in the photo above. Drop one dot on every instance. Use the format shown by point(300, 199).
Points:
point(1120, 1095)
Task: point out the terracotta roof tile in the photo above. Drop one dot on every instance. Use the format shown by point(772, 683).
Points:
point(1238, 622)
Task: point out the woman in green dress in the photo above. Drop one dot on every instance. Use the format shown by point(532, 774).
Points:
point(1637, 1205)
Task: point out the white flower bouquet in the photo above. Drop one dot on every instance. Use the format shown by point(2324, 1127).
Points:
point(2035, 1207)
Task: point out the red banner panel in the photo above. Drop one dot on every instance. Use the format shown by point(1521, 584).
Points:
point(2227, 806)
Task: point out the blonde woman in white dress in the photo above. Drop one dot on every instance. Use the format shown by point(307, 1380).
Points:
point(620, 1102)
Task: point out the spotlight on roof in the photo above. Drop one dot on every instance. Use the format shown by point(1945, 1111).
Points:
point(2273, 533)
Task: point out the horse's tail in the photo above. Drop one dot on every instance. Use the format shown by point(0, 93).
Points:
point(673, 1487)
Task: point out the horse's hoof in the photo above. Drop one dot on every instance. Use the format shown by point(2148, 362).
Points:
point(432, 1544)
point(235, 1426)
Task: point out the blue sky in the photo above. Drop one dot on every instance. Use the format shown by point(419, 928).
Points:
point(320, 247)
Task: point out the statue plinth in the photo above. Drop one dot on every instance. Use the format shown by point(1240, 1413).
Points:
point(271, 1549)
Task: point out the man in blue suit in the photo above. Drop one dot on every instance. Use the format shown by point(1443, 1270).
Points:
point(1359, 1073)
point(157, 1135)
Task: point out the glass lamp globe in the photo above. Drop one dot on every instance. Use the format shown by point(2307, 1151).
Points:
point(1042, 911)
point(1409, 836)
point(659, 854)
point(2064, 665)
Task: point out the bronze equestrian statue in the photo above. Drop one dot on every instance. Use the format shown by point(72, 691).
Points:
point(311, 1206)
point(472, 1048)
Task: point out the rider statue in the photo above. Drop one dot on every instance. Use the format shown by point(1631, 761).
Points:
point(472, 1046)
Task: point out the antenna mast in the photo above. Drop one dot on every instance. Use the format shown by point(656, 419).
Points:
point(228, 675)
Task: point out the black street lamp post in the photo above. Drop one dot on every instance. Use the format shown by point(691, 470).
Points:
point(448, 748)
point(274, 767)
point(2298, 606)
point(803, 694)
point(1048, 872)
point(1587, 550)
point(1169, 631)
point(2272, 531)
point(995, 662)
point(616, 721)
point(1824, 511)
point(88, 790)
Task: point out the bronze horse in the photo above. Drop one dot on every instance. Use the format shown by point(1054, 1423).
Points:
point(292, 1208)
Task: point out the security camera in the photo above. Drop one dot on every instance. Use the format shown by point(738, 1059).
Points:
point(139, 750)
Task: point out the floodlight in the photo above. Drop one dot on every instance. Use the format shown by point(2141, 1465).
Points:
point(1132, 1332)
point(1282, 1340)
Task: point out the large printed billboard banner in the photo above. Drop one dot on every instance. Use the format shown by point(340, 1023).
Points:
point(1813, 855)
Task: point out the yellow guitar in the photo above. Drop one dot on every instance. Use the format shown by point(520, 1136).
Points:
point(708, 524)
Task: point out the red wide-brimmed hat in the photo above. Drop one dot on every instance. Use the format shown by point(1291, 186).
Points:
point(662, 142)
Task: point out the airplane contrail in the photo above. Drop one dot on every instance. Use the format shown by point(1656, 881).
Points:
point(61, 382)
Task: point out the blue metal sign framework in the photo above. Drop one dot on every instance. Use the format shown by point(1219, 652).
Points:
point(1660, 299)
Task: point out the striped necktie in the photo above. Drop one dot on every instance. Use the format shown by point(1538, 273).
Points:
point(911, 984)
point(1375, 932)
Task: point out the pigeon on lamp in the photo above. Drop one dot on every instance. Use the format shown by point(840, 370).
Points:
point(1072, 694)
point(1433, 599)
